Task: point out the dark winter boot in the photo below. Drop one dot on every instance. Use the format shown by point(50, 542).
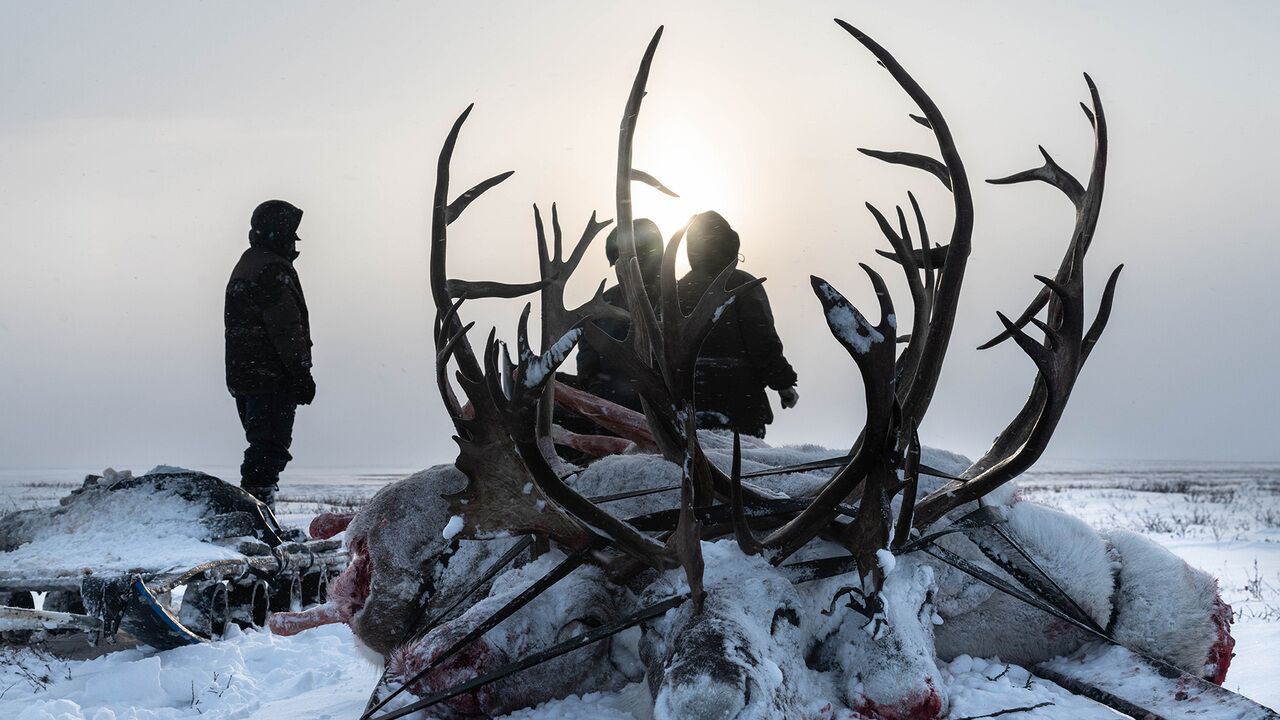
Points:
point(265, 493)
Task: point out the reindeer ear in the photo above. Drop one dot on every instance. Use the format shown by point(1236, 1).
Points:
point(783, 617)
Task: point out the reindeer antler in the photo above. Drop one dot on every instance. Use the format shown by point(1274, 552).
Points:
point(494, 502)
point(556, 270)
point(661, 351)
point(1066, 345)
point(896, 387)
point(926, 358)
point(872, 348)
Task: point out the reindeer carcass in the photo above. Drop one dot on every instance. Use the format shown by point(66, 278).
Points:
point(837, 589)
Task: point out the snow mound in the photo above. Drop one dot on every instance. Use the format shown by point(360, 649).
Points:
point(248, 675)
point(101, 527)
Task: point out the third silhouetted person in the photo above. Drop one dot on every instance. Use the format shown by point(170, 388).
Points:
point(743, 354)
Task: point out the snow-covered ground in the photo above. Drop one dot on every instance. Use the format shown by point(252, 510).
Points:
point(1223, 518)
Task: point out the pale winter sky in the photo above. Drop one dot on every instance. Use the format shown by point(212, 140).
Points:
point(135, 139)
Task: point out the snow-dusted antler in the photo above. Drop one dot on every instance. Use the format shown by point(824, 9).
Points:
point(557, 319)
point(661, 356)
point(494, 501)
point(872, 348)
point(898, 388)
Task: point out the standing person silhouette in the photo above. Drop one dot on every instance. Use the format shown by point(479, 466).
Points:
point(743, 354)
point(268, 338)
point(596, 374)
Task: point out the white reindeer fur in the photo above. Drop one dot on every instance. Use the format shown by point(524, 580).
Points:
point(896, 667)
point(1165, 605)
point(1068, 550)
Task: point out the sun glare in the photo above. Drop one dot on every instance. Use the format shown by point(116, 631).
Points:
point(680, 157)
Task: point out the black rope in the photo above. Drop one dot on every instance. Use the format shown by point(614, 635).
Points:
point(555, 651)
point(723, 513)
point(1080, 612)
point(558, 573)
point(835, 462)
point(982, 517)
point(799, 572)
point(989, 578)
point(992, 518)
point(413, 630)
point(488, 575)
point(632, 494)
point(807, 570)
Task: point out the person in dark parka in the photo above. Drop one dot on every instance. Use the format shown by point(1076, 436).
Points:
point(596, 374)
point(743, 354)
point(268, 340)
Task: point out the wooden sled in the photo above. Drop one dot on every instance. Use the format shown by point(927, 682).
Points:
point(172, 608)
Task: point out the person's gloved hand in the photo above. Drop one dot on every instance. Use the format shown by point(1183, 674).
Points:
point(789, 397)
point(304, 390)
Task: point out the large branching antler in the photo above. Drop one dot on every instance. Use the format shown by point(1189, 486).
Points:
point(922, 365)
point(494, 503)
point(512, 487)
point(644, 323)
point(662, 355)
point(555, 271)
point(921, 281)
point(896, 387)
point(1088, 203)
point(518, 403)
point(1066, 344)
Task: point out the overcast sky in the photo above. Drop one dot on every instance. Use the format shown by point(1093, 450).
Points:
point(136, 138)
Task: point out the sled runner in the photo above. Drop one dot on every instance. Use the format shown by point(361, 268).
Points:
point(1141, 687)
point(21, 618)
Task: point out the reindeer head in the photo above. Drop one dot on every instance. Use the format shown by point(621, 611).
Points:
point(742, 655)
point(883, 652)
